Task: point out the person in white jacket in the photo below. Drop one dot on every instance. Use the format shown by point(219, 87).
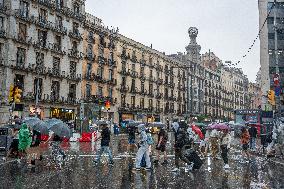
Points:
point(225, 146)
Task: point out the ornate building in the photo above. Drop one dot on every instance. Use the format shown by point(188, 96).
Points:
point(41, 49)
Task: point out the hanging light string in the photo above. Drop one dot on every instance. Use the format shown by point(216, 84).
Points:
point(248, 51)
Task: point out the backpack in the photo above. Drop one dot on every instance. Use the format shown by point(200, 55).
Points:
point(150, 140)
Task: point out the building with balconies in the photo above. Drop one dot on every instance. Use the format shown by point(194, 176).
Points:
point(42, 54)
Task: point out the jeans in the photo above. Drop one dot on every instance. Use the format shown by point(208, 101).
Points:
point(252, 143)
point(144, 149)
point(224, 153)
point(105, 149)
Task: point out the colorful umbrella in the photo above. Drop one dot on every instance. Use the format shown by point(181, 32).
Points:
point(197, 131)
point(200, 124)
point(219, 126)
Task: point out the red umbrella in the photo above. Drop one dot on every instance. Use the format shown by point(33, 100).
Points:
point(197, 131)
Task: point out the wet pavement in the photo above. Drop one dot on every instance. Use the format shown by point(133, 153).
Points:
point(80, 172)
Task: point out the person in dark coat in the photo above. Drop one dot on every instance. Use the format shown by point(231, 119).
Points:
point(253, 134)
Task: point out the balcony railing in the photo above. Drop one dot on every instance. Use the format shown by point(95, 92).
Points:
point(76, 35)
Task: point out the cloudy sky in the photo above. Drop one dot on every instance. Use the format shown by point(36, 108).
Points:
point(226, 27)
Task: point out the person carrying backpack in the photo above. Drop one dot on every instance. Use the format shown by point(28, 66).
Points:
point(143, 148)
point(105, 140)
point(161, 145)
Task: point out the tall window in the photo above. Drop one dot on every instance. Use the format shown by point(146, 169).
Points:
point(158, 104)
point(59, 4)
point(110, 74)
point(133, 85)
point(89, 70)
point(2, 23)
point(19, 81)
point(38, 87)
point(133, 101)
point(22, 32)
point(100, 91)
point(150, 88)
point(57, 42)
point(55, 86)
point(110, 92)
point(21, 57)
point(24, 8)
point(42, 36)
point(133, 68)
point(142, 103)
point(100, 71)
point(74, 46)
point(123, 81)
point(111, 56)
point(76, 28)
point(151, 73)
point(88, 90)
point(76, 8)
point(142, 87)
point(73, 69)
point(90, 50)
point(58, 21)
point(42, 16)
point(1, 3)
point(39, 60)
point(150, 103)
point(72, 91)
point(56, 66)
point(122, 100)
point(141, 71)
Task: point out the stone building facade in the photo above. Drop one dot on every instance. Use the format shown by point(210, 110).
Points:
point(41, 46)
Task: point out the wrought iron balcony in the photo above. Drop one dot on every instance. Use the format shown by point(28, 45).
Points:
point(123, 88)
point(75, 34)
point(23, 15)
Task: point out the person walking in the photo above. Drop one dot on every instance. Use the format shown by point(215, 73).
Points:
point(214, 135)
point(131, 139)
point(105, 140)
point(25, 139)
point(245, 142)
point(34, 150)
point(161, 145)
point(225, 146)
point(253, 134)
point(143, 149)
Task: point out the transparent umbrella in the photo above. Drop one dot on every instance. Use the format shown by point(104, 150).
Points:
point(31, 121)
point(41, 127)
point(51, 122)
point(61, 130)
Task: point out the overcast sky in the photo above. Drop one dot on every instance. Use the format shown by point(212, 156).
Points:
point(226, 27)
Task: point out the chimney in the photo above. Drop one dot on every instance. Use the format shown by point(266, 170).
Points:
point(151, 46)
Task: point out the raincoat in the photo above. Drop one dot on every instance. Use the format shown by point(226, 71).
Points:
point(25, 138)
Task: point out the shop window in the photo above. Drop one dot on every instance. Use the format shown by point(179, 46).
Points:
point(39, 60)
point(55, 87)
point(89, 70)
point(22, 35)
point(72, 69)
point(111, 56)
point(133, 101)
point(142, 103)
point(42, 36)
point(24, 8)
point(72, 91)
point(38, 87)
point(21, 57)
point(88, 90)
point(56, 66)
point(19, 81)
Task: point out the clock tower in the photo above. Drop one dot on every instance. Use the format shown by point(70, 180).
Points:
point(193, 49)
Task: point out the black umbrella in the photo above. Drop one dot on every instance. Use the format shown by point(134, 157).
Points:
point(13, 126)
point(41, 127)
point(61, 130)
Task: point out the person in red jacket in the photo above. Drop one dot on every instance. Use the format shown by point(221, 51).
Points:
point(245, 138)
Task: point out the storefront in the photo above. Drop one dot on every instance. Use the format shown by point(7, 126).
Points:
point(62, 113)
point(39, 111)
point(153, 118)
